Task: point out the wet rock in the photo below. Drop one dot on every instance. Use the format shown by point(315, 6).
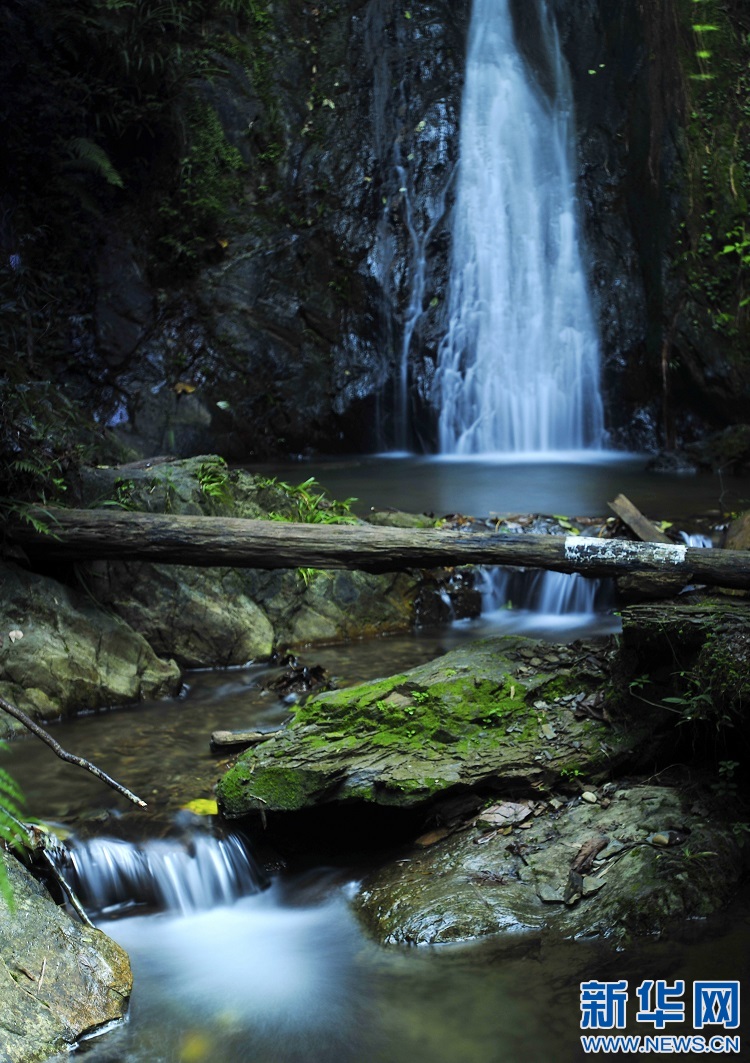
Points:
point(524, 883)
point(727, 451)
point(73, 656)
point(670, 461)
point(223, 616)
point(392, 748)
point(396, 518)
point(202, 618)
point(59, 980)
point(697, 652)
point(738, 533)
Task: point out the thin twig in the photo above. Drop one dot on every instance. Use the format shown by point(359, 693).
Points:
point(66, 888)
point(64, 755)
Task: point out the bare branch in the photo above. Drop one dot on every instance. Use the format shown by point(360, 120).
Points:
point(58, 750)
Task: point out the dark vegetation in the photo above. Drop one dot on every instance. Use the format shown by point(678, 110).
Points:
point(103, 112)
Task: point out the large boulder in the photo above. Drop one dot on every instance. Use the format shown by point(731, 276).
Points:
point(498, 714)
point(61, 653)
point(59, 980)
point(224, 616)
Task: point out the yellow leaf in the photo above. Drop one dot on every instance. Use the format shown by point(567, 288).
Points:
point(183, 388)
point(196, 1046)
point(202, 806)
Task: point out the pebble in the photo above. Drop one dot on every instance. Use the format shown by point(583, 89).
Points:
point(588, 796)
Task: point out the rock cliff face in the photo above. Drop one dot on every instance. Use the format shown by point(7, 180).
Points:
point(315, 314)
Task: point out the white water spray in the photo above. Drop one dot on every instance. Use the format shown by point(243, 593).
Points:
point(518, 370)
point(189, 874)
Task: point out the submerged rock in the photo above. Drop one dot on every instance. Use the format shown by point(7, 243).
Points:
point(584, 870)
point(492, 715)
point(59, 979)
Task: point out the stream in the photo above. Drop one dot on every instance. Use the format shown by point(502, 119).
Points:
point(239, 958)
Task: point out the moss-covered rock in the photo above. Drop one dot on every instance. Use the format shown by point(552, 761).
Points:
point(655, 860)
point(688, 660)
point(59, 979)
point(493, 715)
point(71, 655)
point(209, 617)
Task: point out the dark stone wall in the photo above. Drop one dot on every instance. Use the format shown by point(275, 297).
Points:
point(295, 324)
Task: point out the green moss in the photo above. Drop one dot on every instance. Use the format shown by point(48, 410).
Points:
point(246, 786)
point(397, 712)
point(200, 212)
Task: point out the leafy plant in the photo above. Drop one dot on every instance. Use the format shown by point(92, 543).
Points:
point(213, 479)
point(307, 575)
point(12, 834)
point(571, 773)
point(726, 785)
point(312, 504)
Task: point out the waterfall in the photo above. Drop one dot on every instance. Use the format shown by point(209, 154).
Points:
point(188, 874)
point(549, 593)
point(536, 603)
point(518, 369)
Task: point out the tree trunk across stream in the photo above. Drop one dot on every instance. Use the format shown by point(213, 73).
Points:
point(209, 541)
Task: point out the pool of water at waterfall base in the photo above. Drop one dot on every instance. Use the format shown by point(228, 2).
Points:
point(575, 484)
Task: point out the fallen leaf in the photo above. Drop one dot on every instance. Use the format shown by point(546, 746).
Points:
point(585, 856)
point(425, 840)
point(183, 388)
point(202, 806)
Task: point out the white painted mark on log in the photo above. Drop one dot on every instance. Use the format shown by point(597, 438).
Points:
point(581, 549)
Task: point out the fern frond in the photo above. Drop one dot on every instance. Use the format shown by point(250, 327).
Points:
point(90, 156)
point(10, 791)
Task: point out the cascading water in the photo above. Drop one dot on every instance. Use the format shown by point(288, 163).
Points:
point(409, 216)
point(518, 370)
point(189, 874)
point(537, 603)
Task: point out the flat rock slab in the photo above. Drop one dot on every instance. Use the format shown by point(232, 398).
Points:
point(632, 864)
point(503, 712)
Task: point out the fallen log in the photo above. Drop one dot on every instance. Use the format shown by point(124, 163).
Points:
point(230, 541)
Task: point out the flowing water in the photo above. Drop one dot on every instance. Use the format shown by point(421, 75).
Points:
point(237, 960)
point(518, 369)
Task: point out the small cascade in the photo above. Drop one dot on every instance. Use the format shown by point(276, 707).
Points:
point(192, 873)
point(697, 540)
point(553, 595)
point(518, 369)
point(409, 216)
